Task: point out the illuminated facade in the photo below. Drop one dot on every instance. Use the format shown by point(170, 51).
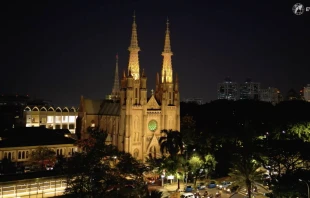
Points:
point(134, 122)
point(51, 118)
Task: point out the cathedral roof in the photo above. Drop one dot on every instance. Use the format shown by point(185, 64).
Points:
point(102, 107)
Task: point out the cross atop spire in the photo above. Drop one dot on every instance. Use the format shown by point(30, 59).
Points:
point(167, 23)
point(134, 49)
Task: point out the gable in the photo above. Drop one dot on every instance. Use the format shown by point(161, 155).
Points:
point(152, 103)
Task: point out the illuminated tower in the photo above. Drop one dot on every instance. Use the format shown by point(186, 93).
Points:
point(116, 89)
point(134, 49)
point(133, 102)
point(166, 72)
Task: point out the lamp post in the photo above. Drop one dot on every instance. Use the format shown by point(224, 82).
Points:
point(307, 186)
point(186, 171)
point(162, 179)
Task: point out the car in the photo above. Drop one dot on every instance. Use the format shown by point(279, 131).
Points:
point(212, 184)
point(27, 169)
point(188, 189)
point(201, 186)
point(188, 195)
point(223, 185)
point(49, 167)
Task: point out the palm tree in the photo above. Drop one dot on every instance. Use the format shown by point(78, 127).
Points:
point(171, 143)
point(246, 173)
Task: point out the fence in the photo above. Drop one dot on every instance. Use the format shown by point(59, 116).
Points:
point(45, 187)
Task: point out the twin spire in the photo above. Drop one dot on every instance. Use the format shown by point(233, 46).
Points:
point(133, 66)
point(166, 72)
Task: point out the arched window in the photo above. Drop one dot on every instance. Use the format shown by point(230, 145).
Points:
point(136, 153)
point(23, 155)
point(27, 154)
point(19, 155)
point(152, 151)
point(9, 155)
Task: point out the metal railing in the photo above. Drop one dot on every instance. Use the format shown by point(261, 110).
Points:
point(46, 187)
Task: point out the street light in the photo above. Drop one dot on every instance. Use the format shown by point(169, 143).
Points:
point(307, 186)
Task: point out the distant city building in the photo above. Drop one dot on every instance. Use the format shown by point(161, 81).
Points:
point(271, 95)
point(228, 90)
point(307, 93)
point(11, 110)
point(249, 90)
point(293, 95)
point(195, 100)
point(51, 117)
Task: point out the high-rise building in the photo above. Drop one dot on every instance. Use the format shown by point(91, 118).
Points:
point(249, 90)
point(307, 93)
point(271, 95)
point(134, 122)
point(228, 90)
point(194, 100)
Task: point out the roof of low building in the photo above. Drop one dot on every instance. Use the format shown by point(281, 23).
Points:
point(34, 136)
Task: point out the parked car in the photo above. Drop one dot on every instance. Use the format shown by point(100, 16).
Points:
point(27, 169)
point(201, 186)
point(188, 195)
point(49, 167)
point(212, 184)
point(223, 185)
point(188, 189)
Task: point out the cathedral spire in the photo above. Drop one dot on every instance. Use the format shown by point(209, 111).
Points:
point(115, 90)
point(167, 53)
point(134, 49)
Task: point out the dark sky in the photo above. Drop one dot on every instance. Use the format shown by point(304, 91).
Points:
point(59, 50)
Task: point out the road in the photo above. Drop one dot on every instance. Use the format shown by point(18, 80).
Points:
point(171, 188)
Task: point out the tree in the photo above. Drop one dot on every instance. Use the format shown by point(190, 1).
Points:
point(195, 164)
point(43, 155)
point(100, 170)
point(246, 173)
point(171, 143)
point(209, 163)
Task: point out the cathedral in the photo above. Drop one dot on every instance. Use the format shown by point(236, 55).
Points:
point(132, 118)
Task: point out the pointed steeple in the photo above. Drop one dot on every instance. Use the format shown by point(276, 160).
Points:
point(167, 53)
point(81, 106)
point(115, 90)
point(134, 50)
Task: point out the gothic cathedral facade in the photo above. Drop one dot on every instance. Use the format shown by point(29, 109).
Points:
point(133, 118)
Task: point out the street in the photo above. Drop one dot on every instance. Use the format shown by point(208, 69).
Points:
point(168, 189)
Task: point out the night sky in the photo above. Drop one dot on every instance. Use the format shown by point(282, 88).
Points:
point(59, 50)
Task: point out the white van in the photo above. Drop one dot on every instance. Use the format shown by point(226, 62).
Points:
point(188, 195)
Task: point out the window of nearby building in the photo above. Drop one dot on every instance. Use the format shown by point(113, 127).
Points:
point(64, 126)
point(71, 118)
point(57, 126)
point(64, 118)
point(50, 119)
point(57, 119)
